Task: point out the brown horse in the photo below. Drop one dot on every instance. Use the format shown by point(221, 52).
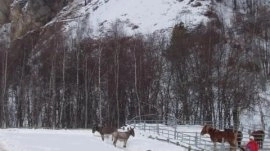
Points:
point(218, 136)
point(239, 135)
point(122, 136)
point(103, 130)
point(258, 137)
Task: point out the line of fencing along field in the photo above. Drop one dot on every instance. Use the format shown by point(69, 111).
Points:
point(183, 136)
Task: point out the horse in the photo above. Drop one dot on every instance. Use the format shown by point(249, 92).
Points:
point(103, 130)
point(122, 136)
point(239, 135)
point(218, 136)
point(259, 137)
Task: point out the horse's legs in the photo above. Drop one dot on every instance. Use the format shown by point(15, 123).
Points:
point(239, 143)
point(114, 142)
point(261, 144)
point(125, 143)
point(102, 136)
point(215, 146)
point(233, 147)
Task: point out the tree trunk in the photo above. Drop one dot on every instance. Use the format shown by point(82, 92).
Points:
point(4, 85)
point(75, 105)
point(117, 85)
point(262, 117)
point(53, 92)
point(63, 102)
point(86, 93)
point(136, 87)
point(234, 4)
point(99, 85)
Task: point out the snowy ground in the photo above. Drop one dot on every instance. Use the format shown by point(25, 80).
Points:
point(71, 140)
point(85, 140)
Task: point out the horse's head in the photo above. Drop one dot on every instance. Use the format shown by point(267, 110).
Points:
point(131, 132)
point(95, 128)
point(258, 135)
point(205, 129)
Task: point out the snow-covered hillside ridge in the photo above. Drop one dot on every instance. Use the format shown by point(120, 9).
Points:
point(94, 17)
point(137, 16)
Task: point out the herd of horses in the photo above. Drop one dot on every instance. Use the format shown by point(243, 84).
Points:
point(234, 138)
point(116, 135)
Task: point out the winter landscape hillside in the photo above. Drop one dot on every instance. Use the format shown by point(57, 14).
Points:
point(68, 65)
point(136, 16)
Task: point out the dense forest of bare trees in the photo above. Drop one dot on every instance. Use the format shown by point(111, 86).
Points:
point(206, 74)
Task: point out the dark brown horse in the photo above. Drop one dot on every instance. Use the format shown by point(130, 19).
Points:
point(122, 136)
point(218, 136)
point(103, 130)
point(239, 135)
point(258, 137)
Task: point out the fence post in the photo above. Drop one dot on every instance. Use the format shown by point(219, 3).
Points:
point(182, 138)
point(223, 145)
point(157, 129)
point(134, 123)
point(269, 132)
point(196, 139)
point(175, 132)
point(144, 125)
point(189, 141)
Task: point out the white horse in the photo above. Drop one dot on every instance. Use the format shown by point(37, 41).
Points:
point(122, 136)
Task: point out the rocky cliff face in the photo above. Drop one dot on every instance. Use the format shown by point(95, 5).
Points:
point(4, 11)
point(28, 15)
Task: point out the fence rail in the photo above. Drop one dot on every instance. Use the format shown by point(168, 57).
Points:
point(190, 140)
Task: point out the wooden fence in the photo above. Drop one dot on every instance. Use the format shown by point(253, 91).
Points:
point(156, 129)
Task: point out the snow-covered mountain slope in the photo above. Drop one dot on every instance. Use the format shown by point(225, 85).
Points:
point(135, 16)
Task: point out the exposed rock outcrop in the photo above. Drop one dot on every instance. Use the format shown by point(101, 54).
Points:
point(28, 15)
point(4, 11)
